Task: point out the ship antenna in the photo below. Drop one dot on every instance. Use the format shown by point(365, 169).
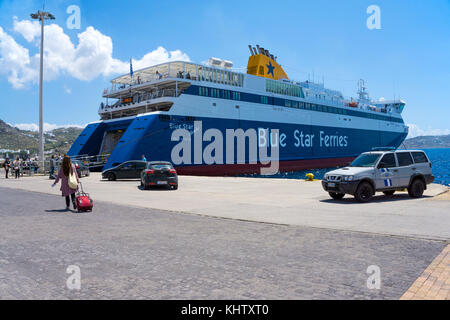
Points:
point(404, 146)
point(394, 88)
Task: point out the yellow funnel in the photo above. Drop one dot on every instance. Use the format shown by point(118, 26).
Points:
point(262, 64)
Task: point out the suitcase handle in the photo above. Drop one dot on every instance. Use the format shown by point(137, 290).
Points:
point(81, 187)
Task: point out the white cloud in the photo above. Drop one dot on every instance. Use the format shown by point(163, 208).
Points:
point(415, 131)
point(15, 61)
point(47, 126)
point(90, 58)
point(27, 28)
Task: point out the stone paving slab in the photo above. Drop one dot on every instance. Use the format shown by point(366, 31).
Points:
point(434, 283)
point(135, 253)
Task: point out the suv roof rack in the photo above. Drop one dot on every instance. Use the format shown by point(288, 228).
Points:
point(384, 149)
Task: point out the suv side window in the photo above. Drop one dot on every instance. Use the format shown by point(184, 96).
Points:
point(419, 157)
point(129, 166)
point(404, 159)
point(388, 161)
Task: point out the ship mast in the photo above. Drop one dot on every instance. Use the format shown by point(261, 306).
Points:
point(363, 94)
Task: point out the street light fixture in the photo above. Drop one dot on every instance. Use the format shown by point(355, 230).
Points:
point(42, 16)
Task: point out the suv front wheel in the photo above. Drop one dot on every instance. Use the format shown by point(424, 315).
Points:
point(416, 188)
point(336, 196)
point(364, 192)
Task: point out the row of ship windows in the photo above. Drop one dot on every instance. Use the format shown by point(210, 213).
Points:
point(219, 93)
point(165, 117)
point(248, 97)
point(284, 88)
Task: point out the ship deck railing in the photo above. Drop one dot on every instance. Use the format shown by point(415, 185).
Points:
point(140, 98)
point(95, 161)
point(139, 83)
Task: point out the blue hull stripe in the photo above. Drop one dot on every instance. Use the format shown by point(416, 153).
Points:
point(150, 135)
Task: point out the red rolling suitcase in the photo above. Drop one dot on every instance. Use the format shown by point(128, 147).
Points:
point(84, 201)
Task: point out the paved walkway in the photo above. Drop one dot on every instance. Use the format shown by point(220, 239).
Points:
point(434, 283)
point(126, 252)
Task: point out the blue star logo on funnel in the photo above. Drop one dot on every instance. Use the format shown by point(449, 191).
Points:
point(271, 68)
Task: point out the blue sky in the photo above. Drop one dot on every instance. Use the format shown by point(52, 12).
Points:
point(409, 56)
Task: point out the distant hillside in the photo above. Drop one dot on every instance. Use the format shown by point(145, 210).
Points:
point(424, 142)
point(58, 140)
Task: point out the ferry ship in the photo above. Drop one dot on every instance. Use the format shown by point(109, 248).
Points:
point(316, 127)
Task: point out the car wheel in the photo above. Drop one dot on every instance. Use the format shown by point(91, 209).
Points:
point(416, 188)
point(389, 193)
point(336, 196)
point(364, 192)
point(111, 177)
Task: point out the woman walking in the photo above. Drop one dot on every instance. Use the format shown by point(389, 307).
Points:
point(67, 170)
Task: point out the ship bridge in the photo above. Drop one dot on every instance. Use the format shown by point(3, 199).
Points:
point(156, 88)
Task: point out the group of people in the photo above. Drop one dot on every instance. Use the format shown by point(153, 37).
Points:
point(67, 171)
point(15, 166)
point(180, 74)
point(18, 165)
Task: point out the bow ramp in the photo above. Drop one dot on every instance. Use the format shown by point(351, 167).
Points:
point(118, 140)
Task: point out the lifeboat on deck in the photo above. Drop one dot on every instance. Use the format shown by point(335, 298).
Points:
point(353, 104)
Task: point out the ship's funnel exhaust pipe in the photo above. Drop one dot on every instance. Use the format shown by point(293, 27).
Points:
point(251, 49)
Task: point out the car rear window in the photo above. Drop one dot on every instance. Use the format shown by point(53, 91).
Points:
point(404, 159)
point(419, 157)
point(161, 166)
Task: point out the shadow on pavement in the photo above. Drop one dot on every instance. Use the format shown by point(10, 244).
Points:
point(376, 199)
point(119, 180)
point(61, 211)
point(155, 188)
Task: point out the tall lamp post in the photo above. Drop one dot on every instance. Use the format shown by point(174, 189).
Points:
point(42, 16)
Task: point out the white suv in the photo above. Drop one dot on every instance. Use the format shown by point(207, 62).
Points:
point(386, 171)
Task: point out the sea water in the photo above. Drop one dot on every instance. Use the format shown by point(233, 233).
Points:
point(440, 161)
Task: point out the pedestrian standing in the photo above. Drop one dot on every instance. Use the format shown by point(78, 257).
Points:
point(28, 165)
point(7, 166)
point(16, 166)
point(52, 167)
point(36, 165)
point(67, 174)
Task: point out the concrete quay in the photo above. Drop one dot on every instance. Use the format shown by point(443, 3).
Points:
point(277, 201)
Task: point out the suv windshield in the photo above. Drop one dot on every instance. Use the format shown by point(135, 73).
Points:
point(366, 160)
